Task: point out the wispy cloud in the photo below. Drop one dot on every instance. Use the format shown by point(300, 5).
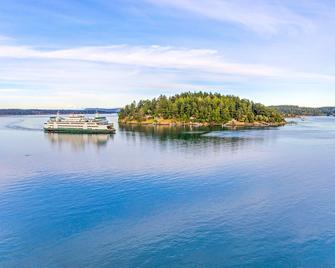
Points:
point(5, 39)
point(205, 60)
point(264, 16)
point(157, 57)
point(114, 75)
point(266, 50)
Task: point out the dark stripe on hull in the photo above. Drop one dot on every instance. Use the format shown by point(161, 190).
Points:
point(80, 131)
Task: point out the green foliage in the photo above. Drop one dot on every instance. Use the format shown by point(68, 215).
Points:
point(293, 110)
point(200, 107)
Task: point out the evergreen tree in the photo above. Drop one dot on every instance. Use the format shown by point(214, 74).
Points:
point(200, 107)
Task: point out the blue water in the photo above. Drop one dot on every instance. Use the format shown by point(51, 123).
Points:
point(166, 197)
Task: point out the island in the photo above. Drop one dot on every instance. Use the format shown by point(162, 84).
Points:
point(298, 111)
point(200, 109)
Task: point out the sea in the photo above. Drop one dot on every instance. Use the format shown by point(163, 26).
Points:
point(167, 196)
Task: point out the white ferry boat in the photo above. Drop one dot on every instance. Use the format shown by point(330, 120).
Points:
point(79, 124)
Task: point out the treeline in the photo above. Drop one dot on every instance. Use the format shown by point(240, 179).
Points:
point(200, 107)
point(294, 110)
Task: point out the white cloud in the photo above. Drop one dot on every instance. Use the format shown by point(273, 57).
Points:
point(75, 84)
point(264, 16)
point(154, 57)
point(5, 39)
point(114, 75)
point(149, 57)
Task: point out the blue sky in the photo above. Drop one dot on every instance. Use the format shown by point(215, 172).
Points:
point(106, 53)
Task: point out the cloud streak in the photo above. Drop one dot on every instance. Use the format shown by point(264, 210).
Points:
point(156, 57)
point(150, 57)
point(209, 61)
point(266, 50)
point(263, 16)
point(116, 74)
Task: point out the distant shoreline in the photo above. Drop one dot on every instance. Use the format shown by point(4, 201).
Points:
point(55, 111)
point(293, 111)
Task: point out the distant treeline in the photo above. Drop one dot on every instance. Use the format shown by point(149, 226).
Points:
point(200, 107)
point(293, 110)
point(53, 111)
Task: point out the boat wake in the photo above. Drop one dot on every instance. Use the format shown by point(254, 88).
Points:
point(17, 125)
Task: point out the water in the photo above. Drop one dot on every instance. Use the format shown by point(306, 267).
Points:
point(162, 197)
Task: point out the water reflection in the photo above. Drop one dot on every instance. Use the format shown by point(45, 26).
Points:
point(204, 138)
point(78, 141)
point(160, 196)
point(167, 132)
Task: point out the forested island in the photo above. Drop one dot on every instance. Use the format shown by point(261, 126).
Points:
point(297, 111)
point(200, 108)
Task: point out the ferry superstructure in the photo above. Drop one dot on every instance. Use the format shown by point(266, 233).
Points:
point(79, 124)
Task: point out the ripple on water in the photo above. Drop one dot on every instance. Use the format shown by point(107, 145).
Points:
point(158, 197)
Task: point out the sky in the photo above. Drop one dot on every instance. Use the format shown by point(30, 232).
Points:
point(107, 53)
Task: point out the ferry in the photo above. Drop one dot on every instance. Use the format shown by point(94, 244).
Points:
point(79, 124)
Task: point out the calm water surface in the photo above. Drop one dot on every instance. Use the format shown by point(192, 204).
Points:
point(161, 197)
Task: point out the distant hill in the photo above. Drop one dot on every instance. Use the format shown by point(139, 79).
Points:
point(102, 110)
point(54, 111)
point(294, 110)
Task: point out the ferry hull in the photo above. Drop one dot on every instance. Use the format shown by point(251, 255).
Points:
point(79, 131)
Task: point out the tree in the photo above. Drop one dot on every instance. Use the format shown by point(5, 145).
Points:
point(200, 107)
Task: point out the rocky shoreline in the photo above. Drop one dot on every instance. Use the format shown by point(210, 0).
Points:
point(231, 124)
